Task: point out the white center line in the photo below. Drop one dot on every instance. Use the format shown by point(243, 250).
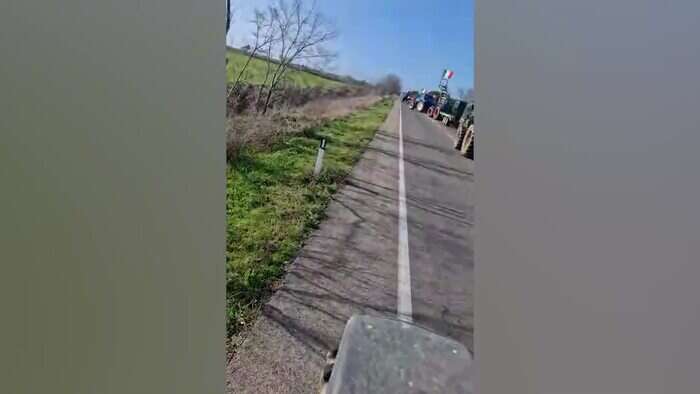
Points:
point(404, 307)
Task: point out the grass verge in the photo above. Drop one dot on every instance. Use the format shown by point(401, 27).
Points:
point(273, 203)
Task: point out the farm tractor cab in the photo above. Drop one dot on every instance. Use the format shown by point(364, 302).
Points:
point(423, 101)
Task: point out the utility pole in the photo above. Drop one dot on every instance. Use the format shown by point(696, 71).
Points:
point(228, 16)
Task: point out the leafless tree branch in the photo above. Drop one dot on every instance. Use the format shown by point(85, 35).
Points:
point(263, 37)
point(302, 31)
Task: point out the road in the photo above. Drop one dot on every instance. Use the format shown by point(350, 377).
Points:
point(359, 262)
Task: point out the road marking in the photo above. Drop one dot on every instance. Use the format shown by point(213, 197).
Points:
point(404, 307)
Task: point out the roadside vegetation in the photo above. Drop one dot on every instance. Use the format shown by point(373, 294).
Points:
point(280, 103)
point(273, 202)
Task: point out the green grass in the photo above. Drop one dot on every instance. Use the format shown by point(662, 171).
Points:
point(255, 73)
point(273, 203)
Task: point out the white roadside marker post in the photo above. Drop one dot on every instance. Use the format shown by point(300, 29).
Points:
point(319, 158)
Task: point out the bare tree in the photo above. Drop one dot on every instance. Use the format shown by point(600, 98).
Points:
point(263, 37)
point(274, 16)
point(301, 33)
point(390, 84)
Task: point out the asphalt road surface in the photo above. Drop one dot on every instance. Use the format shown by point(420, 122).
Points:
point(358, 261)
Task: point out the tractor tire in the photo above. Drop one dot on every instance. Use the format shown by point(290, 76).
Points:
point(461, 131)
point(420, 106)
point(429, 112)
point(468, 143)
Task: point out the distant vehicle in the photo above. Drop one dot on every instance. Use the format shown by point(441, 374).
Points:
point(411, 94)
point(422, 102)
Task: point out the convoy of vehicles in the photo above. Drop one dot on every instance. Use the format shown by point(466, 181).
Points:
point(422, 102)
point(452, 112)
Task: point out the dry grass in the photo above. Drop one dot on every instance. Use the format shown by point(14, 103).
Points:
point(262, 131)
point(326, 108)
point(243, 100)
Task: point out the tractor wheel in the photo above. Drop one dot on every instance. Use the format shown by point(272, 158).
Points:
point(419, 106)
point(468, 140)
point(461, 130)
point(436, 113)
point(328, 370)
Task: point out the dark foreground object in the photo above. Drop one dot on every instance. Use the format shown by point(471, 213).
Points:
point(378, 355)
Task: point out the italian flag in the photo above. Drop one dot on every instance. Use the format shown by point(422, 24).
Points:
point(448, 74)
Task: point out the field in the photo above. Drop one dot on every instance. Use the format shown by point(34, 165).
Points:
point(273, 203)
point(255, 73)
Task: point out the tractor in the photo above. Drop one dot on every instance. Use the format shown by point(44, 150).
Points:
point(408, 96)
point(443, 96)
point(423, 102)
point(451, 112)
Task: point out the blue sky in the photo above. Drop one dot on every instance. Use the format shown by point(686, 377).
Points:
point(414, 39)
